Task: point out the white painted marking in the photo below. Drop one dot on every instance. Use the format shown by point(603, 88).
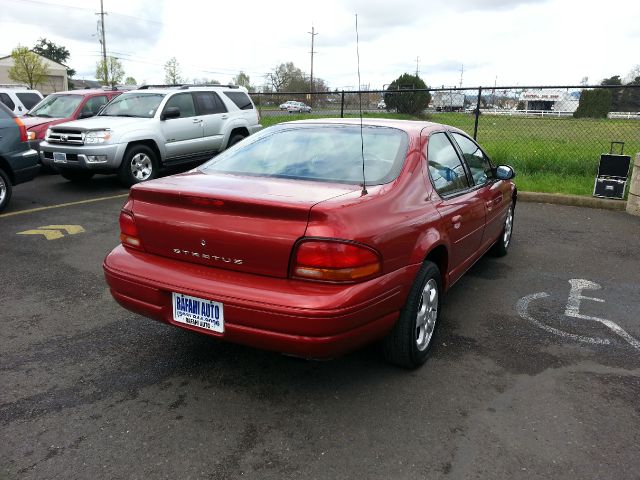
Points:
point(522, 307)
point(573, 308)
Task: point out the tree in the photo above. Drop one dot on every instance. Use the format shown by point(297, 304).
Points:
point(616, 93)
point(57, 53)
point(286, 77)
point(243, 80)
point(172, 72)
point(130, 81)
point(115, 72)
point(411, 102)
point(594, 104)
point(27, 67)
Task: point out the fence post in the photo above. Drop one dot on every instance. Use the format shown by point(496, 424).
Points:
point(633, 201)
point(342, 105)
point(475, 127)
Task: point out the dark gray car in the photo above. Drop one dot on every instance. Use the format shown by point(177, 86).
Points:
point(18, 162)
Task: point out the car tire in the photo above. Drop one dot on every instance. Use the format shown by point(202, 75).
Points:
point(409, 343)
point(76, 176)
point(138, 165)
point(5, 190)
point(235, 139)
point(501, 247)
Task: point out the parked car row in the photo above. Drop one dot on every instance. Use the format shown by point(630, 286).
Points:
point(136, 133)
point(292, 106)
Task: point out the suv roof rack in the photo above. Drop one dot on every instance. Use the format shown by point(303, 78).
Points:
point(146, 87)
point(188, 86)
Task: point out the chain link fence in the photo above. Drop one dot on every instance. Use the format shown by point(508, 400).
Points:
point(538, 130)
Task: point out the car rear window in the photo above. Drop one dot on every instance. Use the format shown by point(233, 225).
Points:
point(5, 112)
point(324, 153)
point(241, 99)
point(28, 99)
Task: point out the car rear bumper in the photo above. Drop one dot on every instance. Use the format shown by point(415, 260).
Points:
point(300, 318)
point(25, 165)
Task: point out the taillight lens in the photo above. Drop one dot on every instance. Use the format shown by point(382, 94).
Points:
point(129, 230)
point(335, 261)
point(22, 128)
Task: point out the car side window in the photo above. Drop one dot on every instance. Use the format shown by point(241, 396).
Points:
point(209, 103)
point(445, 168)
point(93, 105)
point(184, 101)
point(477, 161)
point(6, 99)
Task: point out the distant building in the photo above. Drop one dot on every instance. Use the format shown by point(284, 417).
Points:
point(56, 81)
point(556, 100)
point(81, 84)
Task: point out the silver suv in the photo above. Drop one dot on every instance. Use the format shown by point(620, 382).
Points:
point(141, 131)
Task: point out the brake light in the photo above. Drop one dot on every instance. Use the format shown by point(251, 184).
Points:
point(335, 261)
point(129, 230)
point(22, 128)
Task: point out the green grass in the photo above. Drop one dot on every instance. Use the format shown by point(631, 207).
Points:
point(555, 155)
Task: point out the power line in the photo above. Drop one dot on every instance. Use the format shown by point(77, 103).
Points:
point(74, 7)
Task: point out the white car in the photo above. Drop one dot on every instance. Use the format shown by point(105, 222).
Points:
point(285, 105)
point(382, 105)
point(19, 98)
point(298, 107)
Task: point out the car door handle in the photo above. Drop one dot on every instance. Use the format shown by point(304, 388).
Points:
point(224, 116)
point(456, 220)
point(197, 120)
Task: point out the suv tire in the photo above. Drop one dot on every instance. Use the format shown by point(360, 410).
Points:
point(76, 176)
point(5, 190)
point(138, 165)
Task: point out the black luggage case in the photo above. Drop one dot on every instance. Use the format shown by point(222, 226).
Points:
point(613, 173)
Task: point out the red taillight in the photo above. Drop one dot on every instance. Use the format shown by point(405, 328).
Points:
point(22, 128)
point(129, 230)
point(335, 261)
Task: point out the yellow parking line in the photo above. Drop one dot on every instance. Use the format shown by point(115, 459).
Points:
point(60, 205)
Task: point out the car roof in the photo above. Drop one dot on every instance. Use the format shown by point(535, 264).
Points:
point(86, 92)
point(413, 127)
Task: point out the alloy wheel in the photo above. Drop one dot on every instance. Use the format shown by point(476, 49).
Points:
point(141, 167)
point(427, 314)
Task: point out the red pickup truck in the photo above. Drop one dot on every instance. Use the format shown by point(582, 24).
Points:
point(63, 107)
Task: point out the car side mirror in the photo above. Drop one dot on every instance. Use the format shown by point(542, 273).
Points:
point(86, 114)
point(169, 113)
point(505, 172)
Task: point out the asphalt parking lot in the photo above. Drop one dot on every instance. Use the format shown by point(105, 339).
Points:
point(530, 377)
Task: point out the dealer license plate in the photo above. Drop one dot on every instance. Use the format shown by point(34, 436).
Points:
point(198, 312)
point(59, 157)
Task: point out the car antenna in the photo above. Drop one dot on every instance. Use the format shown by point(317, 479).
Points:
point(364, 182)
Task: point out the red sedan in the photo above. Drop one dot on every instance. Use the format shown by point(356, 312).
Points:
point(315, 237)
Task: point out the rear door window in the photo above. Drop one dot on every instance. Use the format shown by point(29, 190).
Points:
point(28, 99)
point(445, 168)
point(6, 99)
point(241, 99)
point(209, 103)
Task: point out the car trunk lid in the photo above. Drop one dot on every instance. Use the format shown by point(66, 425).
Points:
point(225, 221)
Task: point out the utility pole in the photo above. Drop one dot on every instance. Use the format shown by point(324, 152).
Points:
point(417, 66)
point(313, 35)
point(103, 43)
point(461, 73)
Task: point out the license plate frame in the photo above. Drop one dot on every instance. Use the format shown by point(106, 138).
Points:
point(198, 312)
point(59, 157)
